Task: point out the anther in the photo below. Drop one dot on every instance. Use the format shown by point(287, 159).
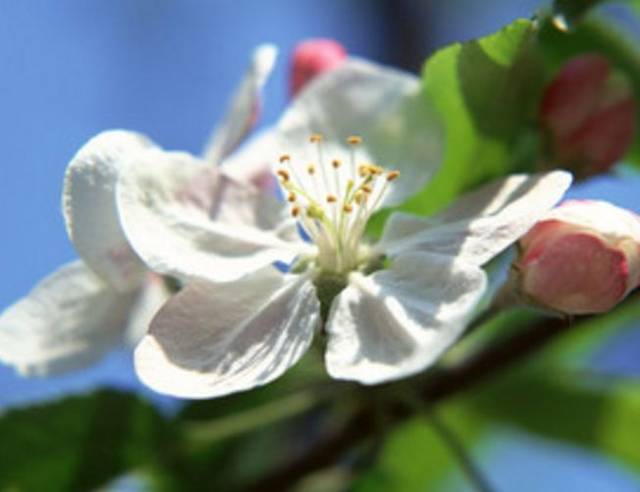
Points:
point(283, 174)
point(354, 140)
point(291, 197)
point(295, 211)
point(366, 188)
point(392, 175)
point(347, 208)
point(363, 170)
point(311, 169)
point(336, 163)
point(285, 158)
point(332, 199)
point(360, 197)
point(375, 170)
point(315, 138)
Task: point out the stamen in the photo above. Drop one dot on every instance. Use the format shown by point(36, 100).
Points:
point(360, 197)
point(336, 163)
point(311, 169)
point(346, 208)
point(354, 140)
point(363, 170)
point(295, 211)
point(283, 174)
point(284, 158)
point(366, 188)
point(316, 138)
point(291, 197)
point(332, 199)
point(393, 175)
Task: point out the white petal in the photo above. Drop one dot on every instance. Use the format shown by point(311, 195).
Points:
point(244, 108)
point(153, 295)
point(187, 220)
point(613, 222)
point(252, 163)
point(481, 224)
point(384, 106)
point(89, 207)
point(397, 322)
point(214, 339)
point(69, 320)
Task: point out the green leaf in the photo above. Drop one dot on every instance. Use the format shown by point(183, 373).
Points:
point(78, 443)
point(414, 457)
point(486, 91)
point(600, 415)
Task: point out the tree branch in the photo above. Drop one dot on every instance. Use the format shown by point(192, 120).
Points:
point(472, 371)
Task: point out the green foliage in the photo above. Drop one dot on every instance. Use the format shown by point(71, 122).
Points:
point(486, 90)
point(78, 443)
point(414, 456)
point(598, 414)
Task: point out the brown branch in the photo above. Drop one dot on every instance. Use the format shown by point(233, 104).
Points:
point(449, 382)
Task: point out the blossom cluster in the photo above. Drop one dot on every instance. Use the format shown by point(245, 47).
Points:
point(222, 269)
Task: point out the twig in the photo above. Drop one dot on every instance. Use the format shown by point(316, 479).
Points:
point(448, 382)
point(471, 470)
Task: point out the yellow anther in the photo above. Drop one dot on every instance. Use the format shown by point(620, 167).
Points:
point(347, 208)
point(366, 188)
point(316, 138)
point(363, 170)
point(315, 212)
point(283, 174)
point(291, 197)
point(285, 158)
point(311, 169)
point(375, 170)
point(295, 211)
point(360, 197)
point(393, 175)
point(354, 140)
point(336, 163)
point(332, 199)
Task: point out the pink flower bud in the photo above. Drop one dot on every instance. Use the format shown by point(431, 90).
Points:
point(583, 257)
point(313, 57)
point(589, 113)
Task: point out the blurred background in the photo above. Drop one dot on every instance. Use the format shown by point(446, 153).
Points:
point(70, 69)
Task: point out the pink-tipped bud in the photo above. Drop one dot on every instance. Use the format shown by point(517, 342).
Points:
point(588, 113)
point(313, 57)
point(583, 257)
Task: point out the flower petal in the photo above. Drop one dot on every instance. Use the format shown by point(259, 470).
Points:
point(253, 161)
point(153, 295)
point(69, 320)
point(214, 339)
point(89, 207)
point(397, 322)
point(187, 220)
point(384, 106)
point(481, 224)
point(245, 106)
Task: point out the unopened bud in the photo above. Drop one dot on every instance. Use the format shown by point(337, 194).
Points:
point(582, 257)
point(588, 113)
point(313, 57)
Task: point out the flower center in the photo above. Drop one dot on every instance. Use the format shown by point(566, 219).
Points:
point(333, 201)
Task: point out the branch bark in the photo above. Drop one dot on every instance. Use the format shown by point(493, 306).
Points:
point(451, 381)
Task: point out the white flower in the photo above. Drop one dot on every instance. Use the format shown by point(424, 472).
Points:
point(109, 296)
point(393, 307)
